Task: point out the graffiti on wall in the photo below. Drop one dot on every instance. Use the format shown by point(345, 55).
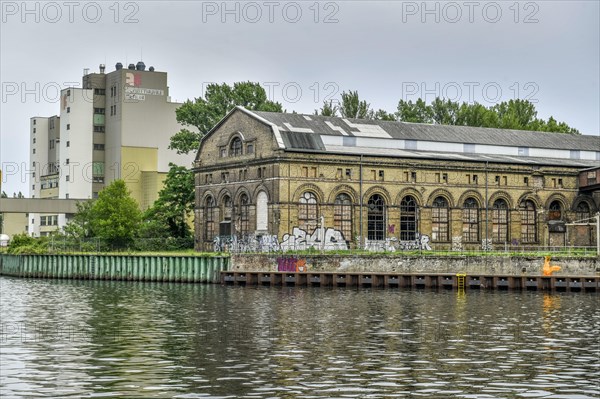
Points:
point(392, 244)
point(486, 244)
point(325, 239)
point(291, 264)
point(457, 243)
point(246, 243)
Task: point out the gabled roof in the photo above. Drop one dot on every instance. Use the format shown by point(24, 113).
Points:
point(335, 126)
point(333, 135)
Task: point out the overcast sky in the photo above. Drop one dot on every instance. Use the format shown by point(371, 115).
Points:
point(305, 52)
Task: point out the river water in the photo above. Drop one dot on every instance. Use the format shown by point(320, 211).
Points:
point(126, 340)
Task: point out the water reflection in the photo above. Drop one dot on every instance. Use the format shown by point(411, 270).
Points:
point(116, 339)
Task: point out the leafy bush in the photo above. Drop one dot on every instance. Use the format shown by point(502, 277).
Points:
point(24, 244)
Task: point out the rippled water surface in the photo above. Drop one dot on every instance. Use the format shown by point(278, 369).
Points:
point(119, 339)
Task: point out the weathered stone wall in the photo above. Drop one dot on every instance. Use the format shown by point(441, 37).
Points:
point(286, 176)
point(492, 265)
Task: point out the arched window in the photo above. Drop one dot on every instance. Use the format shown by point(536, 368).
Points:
point(500, 221)
point(244, 214)
point(209, 219)
point(262, 212)
point(376, 218)
point(342, 215)
point(227, 207)
point(408, 219)
point(308, 213)
point(555, 211)
point(470, 216)
point(583, 211)
point(439, 220)
point(226, 214)
point(235, 148)
point(528, 222)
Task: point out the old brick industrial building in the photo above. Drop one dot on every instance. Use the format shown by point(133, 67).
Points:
point(300, 181)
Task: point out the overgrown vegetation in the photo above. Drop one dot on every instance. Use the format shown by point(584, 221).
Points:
point(514, 114)
point(114, 221)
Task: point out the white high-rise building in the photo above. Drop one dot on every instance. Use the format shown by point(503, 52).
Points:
point(116, 126)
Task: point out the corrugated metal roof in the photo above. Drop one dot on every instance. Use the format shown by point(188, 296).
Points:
point(307, 124)
point(414, 154)
point(302, 141)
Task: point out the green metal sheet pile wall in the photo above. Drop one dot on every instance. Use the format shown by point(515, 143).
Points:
point(192, 269)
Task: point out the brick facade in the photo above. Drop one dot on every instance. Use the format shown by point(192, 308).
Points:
point(378, 197)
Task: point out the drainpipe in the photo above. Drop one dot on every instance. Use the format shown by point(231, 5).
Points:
point(486, 206)
point(598, 234)
point(360, 201)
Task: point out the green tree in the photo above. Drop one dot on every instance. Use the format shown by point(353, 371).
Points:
point(329, 109)
point(204, 113)
point(169, 214)
point(419, 112)
point(353, 107)
point(114, 217)
point(444, 112)
point(79, 226)
point(476, 115)
point(513, 114)
point(384, 116)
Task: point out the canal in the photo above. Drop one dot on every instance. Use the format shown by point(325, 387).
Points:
point(121, 339)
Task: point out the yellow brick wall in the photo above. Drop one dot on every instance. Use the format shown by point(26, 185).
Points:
point(286, 175)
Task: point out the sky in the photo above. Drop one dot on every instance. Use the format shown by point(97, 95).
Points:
point(303, 53)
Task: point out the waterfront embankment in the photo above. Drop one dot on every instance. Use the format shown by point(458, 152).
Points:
point(403, 264)
point(207, 269)
point(189, 269)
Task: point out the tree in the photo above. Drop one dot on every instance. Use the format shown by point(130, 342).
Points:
point(169, 214)
point(114, 217)
point(329, 109)
point(79, 226)
point(353, 107)
point(444, 112)
point(476, 115)
point(514, 114)
point(384, 116)
point(204, 113)
point(418, 112)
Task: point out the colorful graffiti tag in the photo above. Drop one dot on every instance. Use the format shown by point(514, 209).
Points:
point(291, 264)
point(322, 238)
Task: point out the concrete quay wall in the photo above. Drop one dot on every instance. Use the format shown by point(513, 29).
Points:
point(471, 265)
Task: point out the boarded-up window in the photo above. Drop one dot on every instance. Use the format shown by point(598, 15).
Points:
point(262, 215)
